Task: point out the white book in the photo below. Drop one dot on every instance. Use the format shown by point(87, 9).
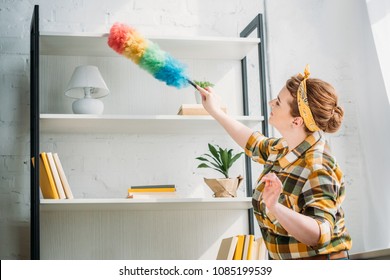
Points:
point(263, 253)
point(147, 195)
point(56, 176)
point(64, 181)
point(227, 248)
point(255, 250)
point(246, 247)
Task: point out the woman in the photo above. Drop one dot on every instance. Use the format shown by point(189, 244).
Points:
point(297, 201)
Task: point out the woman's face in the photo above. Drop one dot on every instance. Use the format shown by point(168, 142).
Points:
point(280, 116)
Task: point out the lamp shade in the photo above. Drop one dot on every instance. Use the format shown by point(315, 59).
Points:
point(86, 76)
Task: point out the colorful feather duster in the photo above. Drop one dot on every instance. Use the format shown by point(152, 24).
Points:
point(126, 41)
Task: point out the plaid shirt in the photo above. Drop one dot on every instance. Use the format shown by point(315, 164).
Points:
point(312, 185)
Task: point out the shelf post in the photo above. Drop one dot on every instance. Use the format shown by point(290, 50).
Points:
point(34, 135)
point(256, 23)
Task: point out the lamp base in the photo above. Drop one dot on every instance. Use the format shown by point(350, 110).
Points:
point(88, 106)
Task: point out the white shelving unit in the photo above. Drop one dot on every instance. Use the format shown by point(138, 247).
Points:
point(116, 228)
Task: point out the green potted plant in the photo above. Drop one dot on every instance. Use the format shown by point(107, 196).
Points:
point(221, 160)
point(202, 84)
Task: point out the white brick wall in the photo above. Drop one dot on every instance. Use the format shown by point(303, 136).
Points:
point(335, 38)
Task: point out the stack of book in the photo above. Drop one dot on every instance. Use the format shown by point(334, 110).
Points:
point(242, 247)
point(52, 179)
point(151, 191)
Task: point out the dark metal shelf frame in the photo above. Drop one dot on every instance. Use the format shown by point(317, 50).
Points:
point(258, 25)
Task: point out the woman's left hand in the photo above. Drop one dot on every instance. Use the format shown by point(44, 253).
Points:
point(272, 190)
point(301, 227)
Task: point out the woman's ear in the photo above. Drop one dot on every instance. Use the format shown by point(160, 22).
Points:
point(298, 121)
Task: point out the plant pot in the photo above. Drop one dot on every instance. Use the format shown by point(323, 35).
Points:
point(198, 97)
point(225, 187)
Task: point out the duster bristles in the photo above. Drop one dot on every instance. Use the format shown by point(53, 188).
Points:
point(153, 59)
point(172, 73)
point(126, 41)
point(135, 47)
point(119, 34)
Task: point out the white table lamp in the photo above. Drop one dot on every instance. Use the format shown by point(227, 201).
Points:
point(87, 84)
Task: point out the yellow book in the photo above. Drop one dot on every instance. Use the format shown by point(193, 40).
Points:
point(239, 247)
point(46, 180)
point(248, 254)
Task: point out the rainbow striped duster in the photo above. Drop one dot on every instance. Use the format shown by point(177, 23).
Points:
point(126, 41)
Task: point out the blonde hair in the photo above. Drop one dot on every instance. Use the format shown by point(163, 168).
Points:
point(322, 99)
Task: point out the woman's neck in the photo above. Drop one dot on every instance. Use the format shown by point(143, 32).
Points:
point(294, 138)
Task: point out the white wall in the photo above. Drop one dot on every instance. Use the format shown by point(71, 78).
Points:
point(335, 38)
point(375, 113)
point(379, 15)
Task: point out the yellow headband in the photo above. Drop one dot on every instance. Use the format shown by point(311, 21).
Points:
point(303, 105)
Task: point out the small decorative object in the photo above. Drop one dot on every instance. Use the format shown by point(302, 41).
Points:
point(87, 84)
point(195, 109)
point(202, 84)
point(126, 41)
point(221, 160)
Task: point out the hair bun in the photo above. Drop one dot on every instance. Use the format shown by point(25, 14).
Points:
point(335, 120)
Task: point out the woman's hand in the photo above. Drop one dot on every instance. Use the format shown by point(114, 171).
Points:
point(272, 190)
point(238, 131)
point(211, 101)
point(303, 228)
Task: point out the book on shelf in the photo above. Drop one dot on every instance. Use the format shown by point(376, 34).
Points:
point(52, 179)
point(258, 251)
point(147, 195)
point(239, 248)
point(152, 191)
point(194, 109)
point(242, 247)
point(64, 180)
point(248, 244)
point(46, 180)
point(56, 176)
point(153, 186)
point(254, 254)
point(227, 248)
point(262, 249)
